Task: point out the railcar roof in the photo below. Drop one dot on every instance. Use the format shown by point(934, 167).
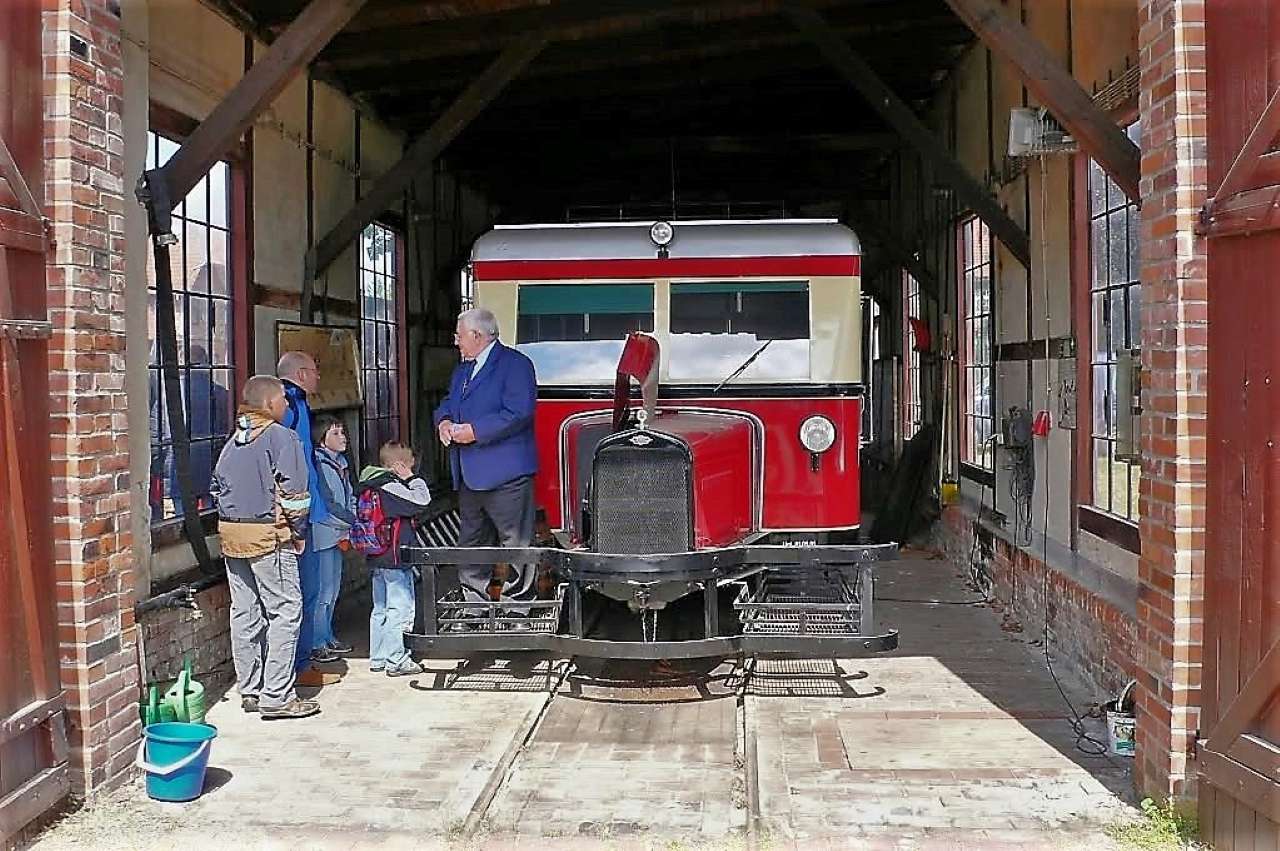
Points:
point(693, 239)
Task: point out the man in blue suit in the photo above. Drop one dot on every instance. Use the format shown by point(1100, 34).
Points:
point(486, 420)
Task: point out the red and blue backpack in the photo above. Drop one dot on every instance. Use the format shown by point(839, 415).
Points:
point(374, 533)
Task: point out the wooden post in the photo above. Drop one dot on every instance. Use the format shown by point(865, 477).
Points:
point(421, 154)
point(1056, 90)
point(882, 99)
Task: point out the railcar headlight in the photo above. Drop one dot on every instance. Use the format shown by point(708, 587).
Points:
point(662, 233)
point(817, 434)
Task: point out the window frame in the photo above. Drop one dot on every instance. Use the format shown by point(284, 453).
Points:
point(398, 331)
point(965, 410)
point(912, 403)
point(1116, 529)
point(177, 127)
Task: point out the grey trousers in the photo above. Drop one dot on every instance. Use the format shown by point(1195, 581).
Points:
point(266, 611)
point(500, 517)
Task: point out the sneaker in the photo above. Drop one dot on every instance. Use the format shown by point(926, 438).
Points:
point(340, 648)
point(406, 668)
point(377, 669)
point(314, 678)
point(323, 654)
point(293, 709)
point(249, 704)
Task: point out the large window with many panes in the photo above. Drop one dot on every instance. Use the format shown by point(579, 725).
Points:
point(380, 286)
point(202, 272)
point(1115, 316)
point(912, 402)
point(977, 341)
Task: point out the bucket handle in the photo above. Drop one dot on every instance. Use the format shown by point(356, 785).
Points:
point(164, 771)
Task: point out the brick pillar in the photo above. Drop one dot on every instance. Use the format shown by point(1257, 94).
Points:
point(94, 563)
point(1174, 394)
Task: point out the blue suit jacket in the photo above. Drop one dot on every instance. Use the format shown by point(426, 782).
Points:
point(498, 404)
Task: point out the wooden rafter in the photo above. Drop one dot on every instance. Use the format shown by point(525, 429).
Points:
point(421, 154)
point(898, 115)
point(309, 32)
point(1055, 89)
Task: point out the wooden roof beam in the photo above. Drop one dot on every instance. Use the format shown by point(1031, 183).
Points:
point(420, 155)
point(767, 52)
point(571, 20)
point(899, 116)
point(1055, 89)
point(306, 36)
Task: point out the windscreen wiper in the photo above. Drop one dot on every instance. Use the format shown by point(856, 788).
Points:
point(746, 363)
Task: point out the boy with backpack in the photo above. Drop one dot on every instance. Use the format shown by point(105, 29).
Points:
point(390, 496)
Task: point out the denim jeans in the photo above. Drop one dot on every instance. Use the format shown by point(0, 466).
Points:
point(393, 611)
point(330, 583)
point(309, 579)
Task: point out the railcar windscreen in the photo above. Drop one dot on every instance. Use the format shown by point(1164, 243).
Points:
point(575, 333)
point(718, 326)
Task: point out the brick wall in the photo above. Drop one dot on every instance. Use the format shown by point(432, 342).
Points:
point(1087, 633)
point(170, 635)
point(203, 634)
point(93, 557)
point(1174, 394)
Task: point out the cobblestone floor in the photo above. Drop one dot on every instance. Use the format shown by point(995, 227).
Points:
point(957, 740)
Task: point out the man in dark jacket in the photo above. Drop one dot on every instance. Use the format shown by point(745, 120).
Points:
point(486, 420)
point(300, 375)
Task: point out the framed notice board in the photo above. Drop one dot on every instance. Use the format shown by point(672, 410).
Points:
point(336, 350)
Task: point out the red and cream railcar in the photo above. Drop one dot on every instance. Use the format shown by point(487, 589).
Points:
point(759, 324)
point(738, 471)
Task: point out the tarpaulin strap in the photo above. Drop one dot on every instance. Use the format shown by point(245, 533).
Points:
point(154, 194)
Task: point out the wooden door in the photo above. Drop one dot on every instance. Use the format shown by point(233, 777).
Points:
point(33, 745)
point(1239, 753)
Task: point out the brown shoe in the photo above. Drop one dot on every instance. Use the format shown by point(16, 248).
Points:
point(293, 709)
point(314, 678)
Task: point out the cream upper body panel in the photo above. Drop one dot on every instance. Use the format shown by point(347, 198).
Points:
point(834, 334)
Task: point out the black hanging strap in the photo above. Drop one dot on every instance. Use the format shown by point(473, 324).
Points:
point(153, 193)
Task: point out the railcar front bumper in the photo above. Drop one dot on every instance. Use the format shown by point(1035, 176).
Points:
point(792, 602)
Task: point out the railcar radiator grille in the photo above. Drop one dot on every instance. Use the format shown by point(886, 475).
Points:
point(641, 498)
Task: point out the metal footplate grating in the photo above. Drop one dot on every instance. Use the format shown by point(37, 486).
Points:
point(491, 617)
point(824, 603)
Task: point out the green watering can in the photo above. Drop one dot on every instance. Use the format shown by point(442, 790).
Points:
point(184, 701)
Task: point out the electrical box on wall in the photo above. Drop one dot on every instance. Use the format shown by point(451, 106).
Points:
point(1065, 387)
point(1127, 405)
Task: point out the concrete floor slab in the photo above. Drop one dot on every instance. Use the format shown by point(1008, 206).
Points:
point(959, 739)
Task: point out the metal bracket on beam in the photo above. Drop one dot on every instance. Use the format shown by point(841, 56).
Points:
point(898, 115)
point(1051, 84)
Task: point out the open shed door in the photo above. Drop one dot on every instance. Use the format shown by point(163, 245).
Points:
point(33, 744)
point(1239, 757)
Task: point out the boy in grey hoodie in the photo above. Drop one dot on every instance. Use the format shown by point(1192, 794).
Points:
point(260, 484)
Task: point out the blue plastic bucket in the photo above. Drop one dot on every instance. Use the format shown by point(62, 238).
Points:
point(175, 754)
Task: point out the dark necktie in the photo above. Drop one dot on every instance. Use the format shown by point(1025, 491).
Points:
point(466, 379)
